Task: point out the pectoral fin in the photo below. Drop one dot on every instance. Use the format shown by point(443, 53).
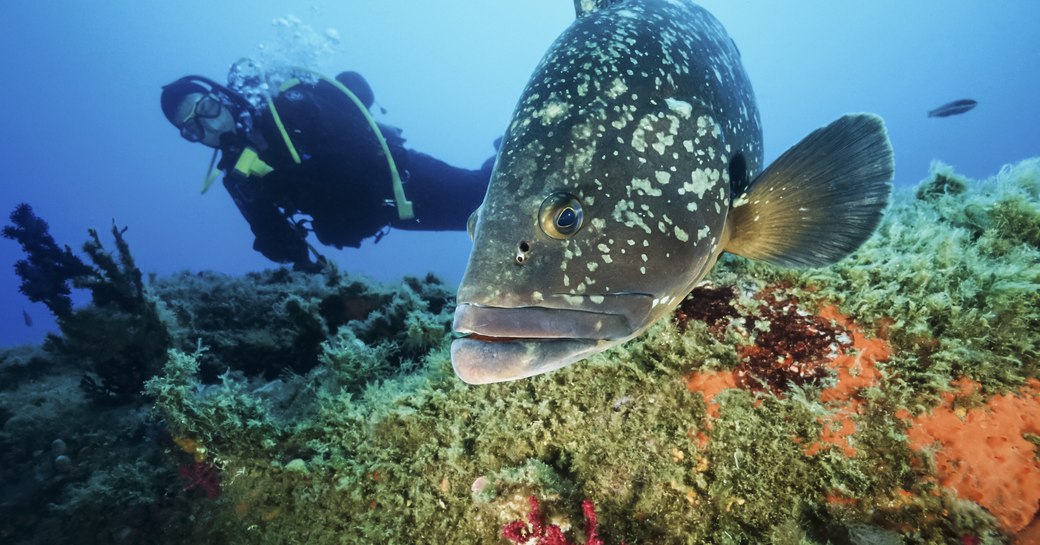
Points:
point(820, 200)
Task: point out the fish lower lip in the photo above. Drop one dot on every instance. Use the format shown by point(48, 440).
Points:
point(480, 362)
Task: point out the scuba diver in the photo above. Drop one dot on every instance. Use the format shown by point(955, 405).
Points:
point(310, 158)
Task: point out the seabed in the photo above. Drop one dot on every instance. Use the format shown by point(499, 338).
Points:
point(891, 398)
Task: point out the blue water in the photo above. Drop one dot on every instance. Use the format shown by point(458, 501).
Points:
point(84, 141)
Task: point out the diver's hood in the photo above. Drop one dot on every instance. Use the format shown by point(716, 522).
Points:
point(173, 93)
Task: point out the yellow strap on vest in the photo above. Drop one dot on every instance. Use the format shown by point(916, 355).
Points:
point(250, 164)
point(281, 127)
point(404, 206)
point(211, 173)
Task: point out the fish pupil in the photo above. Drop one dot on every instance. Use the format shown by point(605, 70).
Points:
point(566, 218)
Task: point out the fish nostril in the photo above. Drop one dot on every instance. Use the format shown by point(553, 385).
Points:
point(521, 252)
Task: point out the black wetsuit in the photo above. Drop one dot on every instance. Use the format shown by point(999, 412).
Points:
point(339, 177)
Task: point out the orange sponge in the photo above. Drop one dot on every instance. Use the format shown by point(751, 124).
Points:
point(982, 454)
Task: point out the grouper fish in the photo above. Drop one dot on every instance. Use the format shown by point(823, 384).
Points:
point(632, 161)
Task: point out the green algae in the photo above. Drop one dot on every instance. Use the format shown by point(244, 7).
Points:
point(416, 456)
point(273, 321)
point(960, 284)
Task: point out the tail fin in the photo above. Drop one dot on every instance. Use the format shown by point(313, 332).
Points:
point(820, 200)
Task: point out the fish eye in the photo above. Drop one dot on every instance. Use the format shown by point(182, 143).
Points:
point(471, 224)
point(560, 215)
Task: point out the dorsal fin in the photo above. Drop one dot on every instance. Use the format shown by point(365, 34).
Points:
point(585, 7)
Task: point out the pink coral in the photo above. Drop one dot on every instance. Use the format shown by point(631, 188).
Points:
point(535, 528)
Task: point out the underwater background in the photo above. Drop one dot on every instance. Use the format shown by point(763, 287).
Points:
point(247, 404)
point(85, 142)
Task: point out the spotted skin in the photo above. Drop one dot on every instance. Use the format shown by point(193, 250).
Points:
point(636, 110)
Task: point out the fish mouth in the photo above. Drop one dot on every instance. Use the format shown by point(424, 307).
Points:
point(511, 343)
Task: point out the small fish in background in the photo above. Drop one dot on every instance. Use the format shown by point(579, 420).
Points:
point(953, 108)
point(26, 318)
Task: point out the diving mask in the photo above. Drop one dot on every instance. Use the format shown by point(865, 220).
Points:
point(193, 128)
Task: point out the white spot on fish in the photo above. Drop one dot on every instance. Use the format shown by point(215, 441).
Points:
point(644, 185)
point(551, 112)
point(700, 182)
point(683, 108)
point(574, 300)
point(625, 214)
point(617, 88)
